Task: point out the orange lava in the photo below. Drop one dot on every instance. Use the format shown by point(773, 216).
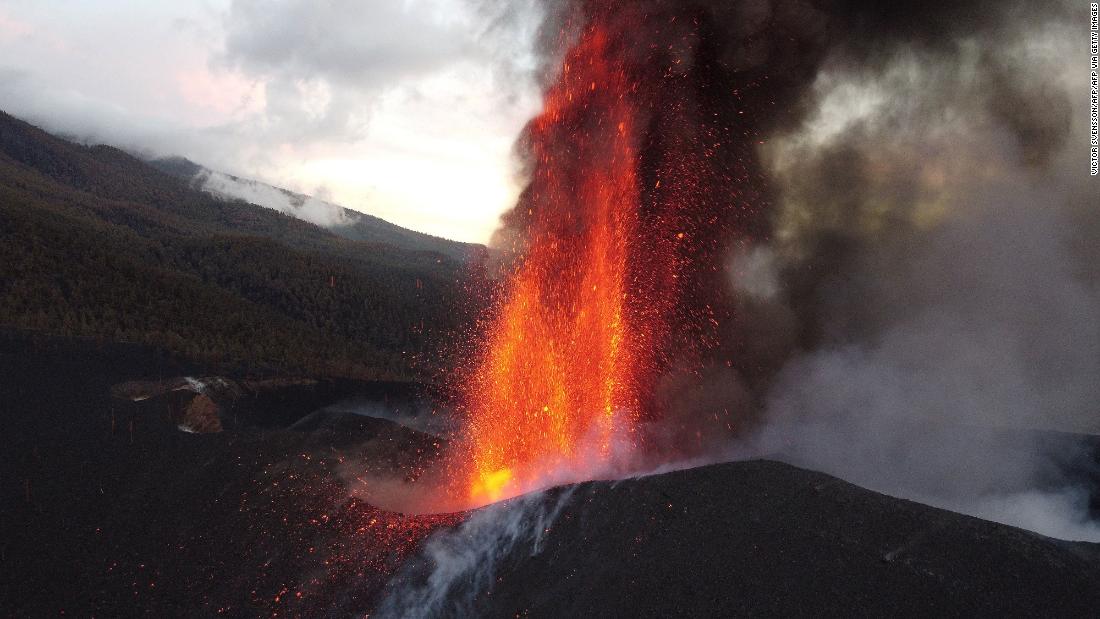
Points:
point(558, 377)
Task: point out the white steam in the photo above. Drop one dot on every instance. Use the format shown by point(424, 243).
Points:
point(308, 208)
point(458, 565)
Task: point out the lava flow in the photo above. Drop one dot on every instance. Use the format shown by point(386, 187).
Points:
point(627, 209)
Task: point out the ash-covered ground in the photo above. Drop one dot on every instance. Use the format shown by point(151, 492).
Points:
point(756, 538)
point(118, 508)
point(110, 508)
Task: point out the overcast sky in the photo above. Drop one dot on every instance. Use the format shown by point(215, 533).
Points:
point(405, 109)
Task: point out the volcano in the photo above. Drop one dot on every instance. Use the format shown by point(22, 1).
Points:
point(116, 508)
point(640, 180)
point(761, 538)
point(776, 268)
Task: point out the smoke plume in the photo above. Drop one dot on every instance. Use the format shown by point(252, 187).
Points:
point(938, 250)
point(889, 259)
point(888, 234)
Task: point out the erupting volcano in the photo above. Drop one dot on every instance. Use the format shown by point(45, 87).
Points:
point(638, 183)
point(566, 352)
point(795, 313)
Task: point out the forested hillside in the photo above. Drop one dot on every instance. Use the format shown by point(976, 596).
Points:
point(341, 221)
point(94, 242)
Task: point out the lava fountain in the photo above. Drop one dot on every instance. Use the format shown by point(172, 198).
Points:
point(628, 208)
point(561, 364)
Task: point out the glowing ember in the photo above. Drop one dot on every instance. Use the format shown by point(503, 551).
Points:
point(628, 209)
point(559, 373)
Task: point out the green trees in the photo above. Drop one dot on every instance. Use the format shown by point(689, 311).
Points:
point(96, 243)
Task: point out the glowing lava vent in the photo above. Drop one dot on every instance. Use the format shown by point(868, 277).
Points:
point(558, 378)
point(640, 176)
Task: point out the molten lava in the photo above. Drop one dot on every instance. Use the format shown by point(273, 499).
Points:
point(559, 374)
point(634, 164)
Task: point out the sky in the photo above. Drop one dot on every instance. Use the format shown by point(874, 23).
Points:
point(404, 109)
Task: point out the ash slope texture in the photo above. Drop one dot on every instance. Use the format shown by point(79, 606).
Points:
point(107, 510)
point(765, 538)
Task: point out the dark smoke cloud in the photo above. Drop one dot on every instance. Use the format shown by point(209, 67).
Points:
point(952, 113)
point(718, 78)
point(934, 246)
point(894, 203)
point(916, 305)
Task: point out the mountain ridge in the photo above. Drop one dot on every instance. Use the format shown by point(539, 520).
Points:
point(96, 242)
point(342, 221)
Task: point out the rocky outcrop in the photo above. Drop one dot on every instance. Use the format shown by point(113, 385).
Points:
point(201, 416)
point(213, 386)
point(193, 405)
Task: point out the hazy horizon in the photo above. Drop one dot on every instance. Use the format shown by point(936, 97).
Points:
point(406, 111)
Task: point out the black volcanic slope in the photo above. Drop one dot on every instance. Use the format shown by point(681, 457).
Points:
point(108, 510)
point(762, 538)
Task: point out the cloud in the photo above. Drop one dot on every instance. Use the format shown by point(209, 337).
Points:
point(367, 99)
point(308, 208)
point(88, 119)
point(326, 63)
point(355, 43)
point(12, 28)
